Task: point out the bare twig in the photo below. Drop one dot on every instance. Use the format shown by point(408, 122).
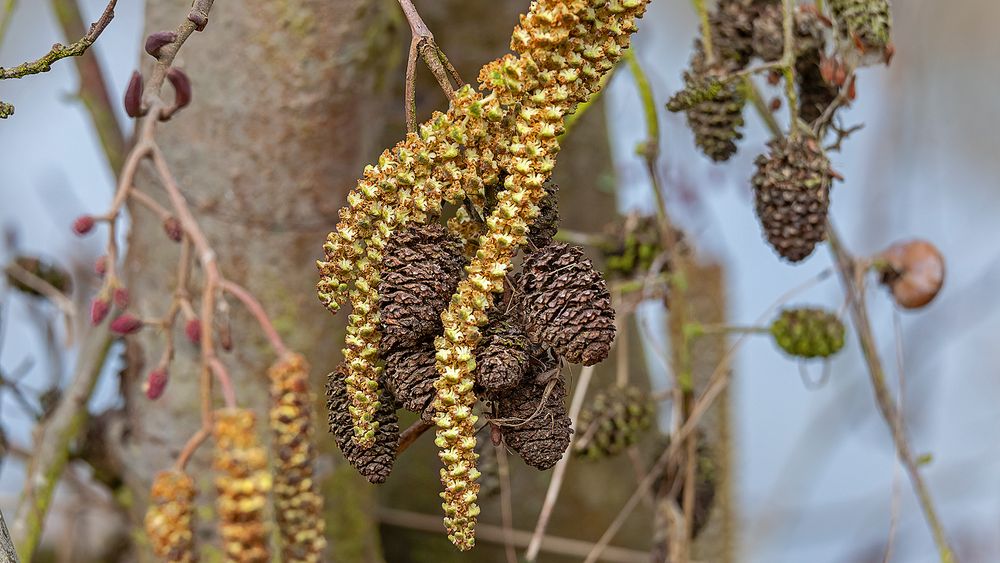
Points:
point(59, 51)
point(410, 435)
point(559, 473)
point(93, 88)
point(423, 44)
point(706, 31)
point(47, 290)
point(495, 534)
point(847, 267)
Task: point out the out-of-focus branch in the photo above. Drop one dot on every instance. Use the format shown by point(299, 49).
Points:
point(53, 441)
point(93, 88)
point(848, 269)
point(410, 435)
point(423, 45)
point(59, 51)
point(8, 14)
point(7, 552)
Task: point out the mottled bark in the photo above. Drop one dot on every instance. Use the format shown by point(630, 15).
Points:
point(286, 112)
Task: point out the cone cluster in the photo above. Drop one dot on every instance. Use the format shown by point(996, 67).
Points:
point(635, 247)
point(866, 24)
point(808, 333)
point(792, 196)
point(297, 501)
point(242, 484)
point(170, 516)
point(508, 129)
point(613, 421)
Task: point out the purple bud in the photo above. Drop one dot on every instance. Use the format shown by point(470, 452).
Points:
point(199, 20)
point(83, 224)
point(155, 383)
point(99, 309)
point(126, 324)
point(133, 95)
point(157, 40)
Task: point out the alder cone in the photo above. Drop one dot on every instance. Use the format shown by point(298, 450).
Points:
point(615, 420)
point(533, 418)
point(717, 121)
point(546, 225)
point(410, 374)
point(566, 304)
point(732, 32)
point(815, 93)
point(792, 195)
point(502, 354)
point(374, 463)
point(808, 333)
point(421, 269)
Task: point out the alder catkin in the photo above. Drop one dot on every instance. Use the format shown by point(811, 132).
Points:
point(242, 484)
point(374, 462)
point(297, 502)
point(170, 516)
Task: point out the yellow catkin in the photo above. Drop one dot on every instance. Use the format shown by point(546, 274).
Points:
point(563, 49)
point(297, 502)
point(169, 518)
point(242, 484)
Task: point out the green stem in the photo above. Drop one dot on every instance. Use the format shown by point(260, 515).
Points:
point(8, 14)
point(761, 106)
point(788, 62)
point(706, 31)
point(847, 266)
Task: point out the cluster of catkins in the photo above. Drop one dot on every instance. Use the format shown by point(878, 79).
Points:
point(792, 182)
point(506, 131)
point(244, 481)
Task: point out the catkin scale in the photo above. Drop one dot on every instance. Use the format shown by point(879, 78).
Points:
point(242, 484)
point(169, 518)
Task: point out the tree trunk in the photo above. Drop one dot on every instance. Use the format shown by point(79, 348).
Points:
point(287, 109)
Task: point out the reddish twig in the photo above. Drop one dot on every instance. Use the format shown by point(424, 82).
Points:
point(423, 44)
point(410, 435)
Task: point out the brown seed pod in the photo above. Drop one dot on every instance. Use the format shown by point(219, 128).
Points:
point(170, 516)
point(410, 374)
point(375, 462)
point(242, 482)
point(298, 505)
point(913, 270)
point(567, 305)
point(421, 269)
point(532, 416)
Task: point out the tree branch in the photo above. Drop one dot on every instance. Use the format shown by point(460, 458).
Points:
point(59, 51)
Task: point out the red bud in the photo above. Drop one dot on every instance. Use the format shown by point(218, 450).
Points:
point(226, 337)
point(83, 224)
point(155, 383)
point(120, 297)
point(775, 103)
point(193, 331)
point(126, 324)
point(182, 87)
point(133, 95)
point(172, 226)
point(157, 40)
point(99, 309)
point(200, 20)
point(101, 266)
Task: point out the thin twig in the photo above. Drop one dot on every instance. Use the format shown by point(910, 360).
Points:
point(559, 473)
point(410, 435)
point(761, 106)
point(46, 289)
point(846, 266)
point(706, 31)
point(495, 534)
point(59, 51)
point(256, 310)
point(422, 43)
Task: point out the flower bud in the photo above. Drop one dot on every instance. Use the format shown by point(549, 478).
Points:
point(83, 224)
point(101, 266)
point(193, 331)
point(126, 324)
point(157, 40)
point(172, 226)
point(155, 383)
point(99, 309)
point(133, 96)
point(200, 20)
point(182, 87)
point(121, 297)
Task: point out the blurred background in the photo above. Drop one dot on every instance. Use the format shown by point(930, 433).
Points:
point(815, 474)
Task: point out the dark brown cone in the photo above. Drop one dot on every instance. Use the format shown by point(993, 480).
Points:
point(792, 194)
point(502, 354)
point(815, 93)
point(732, 33)
point(532, 416)
point(546, 224)
point(567, 305)
point(769, 37)
point(410, 374)
point(613, 421)
point(716, 121)
point(421, 269)
point(374, 463)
